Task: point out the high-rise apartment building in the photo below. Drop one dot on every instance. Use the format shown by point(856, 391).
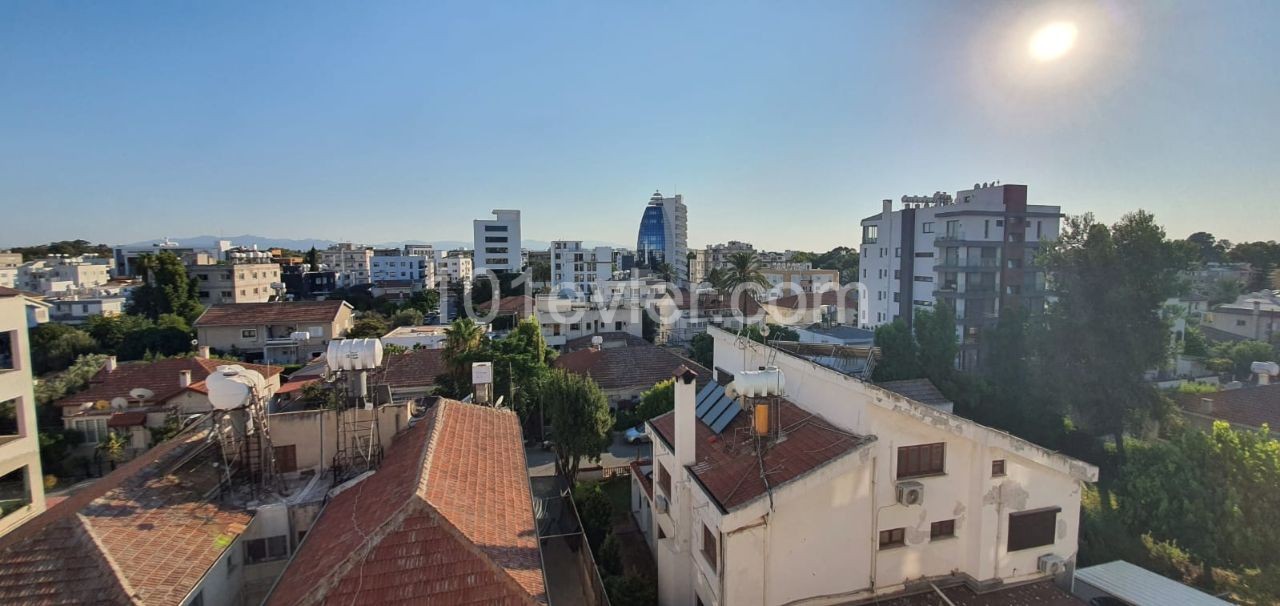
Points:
point(974, 251)
point(497, 243)
point(582, 269)
point(351, 262)
point(664, 235)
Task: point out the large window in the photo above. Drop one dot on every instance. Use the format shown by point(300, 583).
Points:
point(495, 228)
point(922, 460)
point(13, 491)
point(266, 549)
point(709, 547)
point(942, 529)
point(9, 417)
point(870, 233)
point(664, 479)
point(8, 350)
point(94, 429)
point(1034, 528)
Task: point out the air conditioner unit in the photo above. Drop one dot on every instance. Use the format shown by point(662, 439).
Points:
point(660, 504)
point(1051, 564)
point(910, 493)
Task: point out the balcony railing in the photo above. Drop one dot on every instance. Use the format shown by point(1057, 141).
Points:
point(983, 263)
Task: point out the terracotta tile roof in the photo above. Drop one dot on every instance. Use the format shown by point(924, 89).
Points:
point(712, 303)
point(6, 292)
point(637, 365)
point(811, 300)
point(1252, 406)
point(161, 377)
point(415, 368)
point(261, 314)
point(1040, 593)
point(293, 386)
point(447, 519)
point(920, 390)
point(138, 535)
point(611, 339)
point(732, 478)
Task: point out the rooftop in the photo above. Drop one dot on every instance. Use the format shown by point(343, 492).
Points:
point(625, 361)
point(283, 312)
point(143, 534)
point(811, 300)
point(448, 518)
point(413, 368)
point(1042, 593)
point(1141, 587)
point(1252, 405)
point(160, 377)
point(920, 390)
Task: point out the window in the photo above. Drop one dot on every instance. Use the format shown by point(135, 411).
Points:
point(617, 326)
point(286, 458)
point(897, 274)
point(1241, 322)
point(94, 429)
point(999, 222)
point(997, 468)
point(870, 233)
point(924, 255)
point(894, 537)
point(249, 333)
point(709, 547)
point(1034, 528)
point(9, 418)
point(943, 529)
point(266, 549)
point(923, 278)
point(1038, 230)
point(922, 460)
point(8, 350)
point(986, 228)
point(927, 227)
point(495, 228)
point(897, 252)
point(664, 480)
point(895, 297)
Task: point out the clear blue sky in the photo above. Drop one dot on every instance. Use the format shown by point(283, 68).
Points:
point(782, 123)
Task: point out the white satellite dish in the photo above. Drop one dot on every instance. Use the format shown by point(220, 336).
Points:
point(141, 394)
point(119, 402)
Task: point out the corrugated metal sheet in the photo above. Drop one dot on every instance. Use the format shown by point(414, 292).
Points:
point(1141, 587)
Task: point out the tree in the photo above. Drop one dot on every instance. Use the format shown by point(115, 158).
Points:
point(1207, 248)
point(370, 325)
point(406, 317)
point(898, 359)
point(113, 448)
point(540, 271)
point(312, 259)
point(520, 366)
point(580, 419)
point(72, 248)
point(166, 289)
point(1263, 258)
point(463, 339)
point(936, 346)
point(1105, 328)
point(1225, 290)
point(657, 400)
point(702, 349)
point(425, 301)
point(1237, 357)
point(715, 278)
point(744, 268)
point(56, 346)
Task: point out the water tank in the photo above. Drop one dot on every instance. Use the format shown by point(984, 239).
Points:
point(757, 383)
point(232, 386)
point(1265, 368)
point(354, 354)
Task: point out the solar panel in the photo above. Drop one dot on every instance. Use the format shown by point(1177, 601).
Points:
point(724, 404)
point(706, 390)
point(709, 403)
point(713, 404)
point(726, 418)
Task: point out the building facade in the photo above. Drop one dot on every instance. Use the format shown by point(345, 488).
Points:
point(57, 275)
point(975, 251)
point(126, 256)
point(247, 281)
point(664, 235)
point(453, 267)
point(497, 243)
point(579, 268)
point(289, 332)
point(394, 267)
point(21, 479)
point(78, 310)
point(351, 262)
point(1254, 316)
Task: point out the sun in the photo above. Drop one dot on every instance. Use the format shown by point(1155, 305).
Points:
point(1052, 41)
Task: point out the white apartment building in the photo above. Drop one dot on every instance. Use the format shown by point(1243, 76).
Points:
point(244, 281)
point(452, 267)
point(126, 256)
point(801, 276)
point(420, 250)
point(56, 275)
point(77, 310)
point(975, 251)
point(864, 492)
point(352, 263)
point(578, 268)
point(565, 319)
point(1253, 316)
point(8, 277)
point(10, 260)
point(497, 243)
point(21, 480)
point(391, 267)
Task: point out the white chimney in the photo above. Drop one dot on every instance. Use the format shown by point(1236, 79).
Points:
point(111, 364)
point(184, 378)
point(686, 419)
point(887, 209)
point(204, 352)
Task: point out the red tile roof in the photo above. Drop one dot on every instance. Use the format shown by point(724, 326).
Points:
point(645, 478)
point(161, 377)
point(293, 386)
point(416, 368)
point(521, 305)
point(127, 419)
point(139, 535)
point(262, 314)
point(732, 478)
point(447, 519)
point(639, 364)
point(1252, 406)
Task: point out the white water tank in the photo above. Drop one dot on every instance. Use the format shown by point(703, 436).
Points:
point(757, 383)
point(1265, 368)
point(354, 354)
point(232, 386)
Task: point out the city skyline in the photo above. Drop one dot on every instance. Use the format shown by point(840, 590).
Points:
point(408, 122)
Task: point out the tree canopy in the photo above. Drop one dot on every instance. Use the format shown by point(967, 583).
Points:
point(166, 289)
point(580, 419)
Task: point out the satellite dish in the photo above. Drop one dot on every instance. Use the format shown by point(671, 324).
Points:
point(119, 402)
point(141, 394)
point(102, 405)
point(764, 330)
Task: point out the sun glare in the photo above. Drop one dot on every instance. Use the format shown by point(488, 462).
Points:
point(1052, 41)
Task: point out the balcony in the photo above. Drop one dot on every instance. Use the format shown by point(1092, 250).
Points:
point(979, 264)
point(969, 292)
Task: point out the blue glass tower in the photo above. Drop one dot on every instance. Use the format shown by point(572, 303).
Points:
point(651, 244)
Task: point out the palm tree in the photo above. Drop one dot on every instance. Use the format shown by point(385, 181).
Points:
point(461, 339)
point(715, 278)
point(664, 271)
point(744, 268)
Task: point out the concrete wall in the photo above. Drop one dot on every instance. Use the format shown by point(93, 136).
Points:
point(314, 433)
point(22, 450)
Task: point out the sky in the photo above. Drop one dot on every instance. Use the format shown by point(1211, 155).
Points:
point(782, 124)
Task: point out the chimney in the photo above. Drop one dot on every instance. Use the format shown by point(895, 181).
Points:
point(111, 364)
point(204, 352)
point(686, 420)
point(1206, 406)
point(184, 378)
point(886, 209)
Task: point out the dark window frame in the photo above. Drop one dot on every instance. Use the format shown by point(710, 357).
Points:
point(999, 468)
point(893, 537)
point(942, 529)
point(922, 460)
point(710, 548)
point(664, 480)
point(1032, 528)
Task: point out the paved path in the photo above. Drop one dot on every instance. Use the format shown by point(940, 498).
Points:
point(543, 462)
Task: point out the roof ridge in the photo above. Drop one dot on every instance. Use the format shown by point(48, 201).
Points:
point(122, 582)
point(429, 449)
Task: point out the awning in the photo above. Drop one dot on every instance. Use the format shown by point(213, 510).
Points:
point(127, 419)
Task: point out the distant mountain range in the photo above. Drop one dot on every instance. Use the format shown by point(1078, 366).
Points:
point(268, 242)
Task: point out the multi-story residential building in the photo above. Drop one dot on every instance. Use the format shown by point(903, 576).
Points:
point(1253, 316)
point(243, 280)
point(664, 235)
point(301, 284)
point(351, 262)
point(976, 252)
point(21, 481)
point(578, 268)
point(56, 275)
point(420, 250)
point(392, 267)
point(126, 256)
point(287, 332)
point(497, 243)
point(10, 259)
point(453, 267)
point(823, 488)
point(801, 276)
point(77, 310)
point(8, 277)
